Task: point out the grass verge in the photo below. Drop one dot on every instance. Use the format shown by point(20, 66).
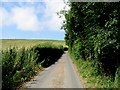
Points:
point(91, 78)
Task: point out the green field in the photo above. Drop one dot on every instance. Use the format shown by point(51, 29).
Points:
point(27, 43)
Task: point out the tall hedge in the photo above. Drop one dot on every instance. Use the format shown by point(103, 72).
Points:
point(20, 65)
point(93, 33)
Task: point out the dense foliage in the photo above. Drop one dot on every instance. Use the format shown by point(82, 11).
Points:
point(19, 65)
point(93, 33)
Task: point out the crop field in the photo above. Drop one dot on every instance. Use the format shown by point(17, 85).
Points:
point(7, 43)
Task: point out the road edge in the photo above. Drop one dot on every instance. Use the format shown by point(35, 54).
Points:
point(77, 72)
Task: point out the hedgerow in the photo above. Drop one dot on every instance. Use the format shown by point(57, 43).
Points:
point(20, 65)
point(93, 33)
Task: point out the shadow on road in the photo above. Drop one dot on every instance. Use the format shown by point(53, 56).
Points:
point(48, 55)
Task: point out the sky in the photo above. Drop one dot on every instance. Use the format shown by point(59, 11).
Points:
point(31, 19)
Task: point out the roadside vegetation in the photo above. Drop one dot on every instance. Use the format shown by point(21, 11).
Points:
point(93, 37)
point(21, 64)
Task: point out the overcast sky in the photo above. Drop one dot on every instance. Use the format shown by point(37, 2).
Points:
point(25, 19)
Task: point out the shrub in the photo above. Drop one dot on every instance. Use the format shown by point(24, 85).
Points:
point(19, 65)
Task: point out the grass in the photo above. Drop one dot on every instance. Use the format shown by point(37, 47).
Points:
point(7, 43)
point(91, 78)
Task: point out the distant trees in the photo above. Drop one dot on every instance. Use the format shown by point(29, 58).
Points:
point(93, 33)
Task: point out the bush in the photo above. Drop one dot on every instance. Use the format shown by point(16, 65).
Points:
point(49, 53)
point(19, 65)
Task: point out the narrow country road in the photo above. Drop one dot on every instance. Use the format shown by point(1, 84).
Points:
point(59, 75)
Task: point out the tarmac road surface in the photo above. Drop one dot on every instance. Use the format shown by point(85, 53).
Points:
point(60, 75)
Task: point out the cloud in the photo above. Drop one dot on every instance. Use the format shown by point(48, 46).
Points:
point(52, 8)
point(4, 15)
point(20, 0)
point(24, 18)
point(33, 17)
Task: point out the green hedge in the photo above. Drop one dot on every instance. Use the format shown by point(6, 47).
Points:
point(19, 65)
point(93, 33)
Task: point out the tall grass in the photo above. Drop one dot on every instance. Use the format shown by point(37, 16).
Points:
point(92, 77)
point(20, 65)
